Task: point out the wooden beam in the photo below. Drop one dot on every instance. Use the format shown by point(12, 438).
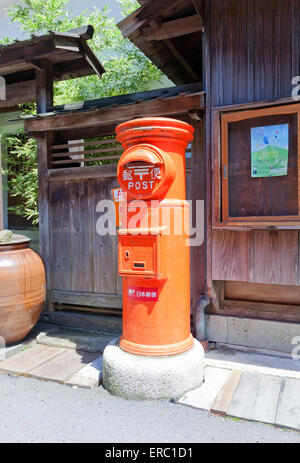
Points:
point(36, 64)
point(15, 56)
point(175, 28)
point(163, 58)
point(92, 59)
point(18, 93)
point(177, 105)
point(67, 43)
point(87, 132)
point(68, 70)
point(113, 301)
point(19, 61)
point(137, 97)
point(82, 173)
point(199, 7)
point(179, 56)
point(139, 18)
point(85, 32)
point(149, 11)
point(175, 7)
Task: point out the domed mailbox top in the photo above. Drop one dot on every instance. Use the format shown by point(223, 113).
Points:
point(145, 171)
point(131, 132)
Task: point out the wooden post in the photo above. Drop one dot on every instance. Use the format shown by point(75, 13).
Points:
point(44, 86)
point(43, 143)
point(198, 183)
point(1, 189)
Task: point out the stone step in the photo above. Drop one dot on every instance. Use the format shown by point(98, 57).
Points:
point(89, 322)
point(80, 340)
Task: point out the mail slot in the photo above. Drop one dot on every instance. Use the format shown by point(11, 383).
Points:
point(154, 260)
point(139, 255)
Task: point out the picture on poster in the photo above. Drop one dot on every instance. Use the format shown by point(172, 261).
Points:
point(269, 151)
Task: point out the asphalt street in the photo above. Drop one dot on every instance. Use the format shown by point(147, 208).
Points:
point(36, 411)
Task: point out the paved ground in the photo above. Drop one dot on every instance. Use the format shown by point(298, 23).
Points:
point(37, 411)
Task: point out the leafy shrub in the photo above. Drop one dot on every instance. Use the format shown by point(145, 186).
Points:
point(128, 70)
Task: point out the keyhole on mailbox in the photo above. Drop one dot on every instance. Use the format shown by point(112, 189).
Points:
point(127, 255)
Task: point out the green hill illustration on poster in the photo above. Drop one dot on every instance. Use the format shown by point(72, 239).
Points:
point(269, 150)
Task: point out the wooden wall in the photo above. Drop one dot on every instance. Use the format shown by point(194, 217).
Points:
point(254, 49)
point(256, 256)
point(80, 259)
point(252, 54)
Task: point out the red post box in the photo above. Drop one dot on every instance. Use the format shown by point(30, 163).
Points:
point(154, 256)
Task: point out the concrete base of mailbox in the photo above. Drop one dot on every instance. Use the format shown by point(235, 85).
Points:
point(148, 378)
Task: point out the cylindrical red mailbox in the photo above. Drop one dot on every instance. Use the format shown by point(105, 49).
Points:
point(154, 256)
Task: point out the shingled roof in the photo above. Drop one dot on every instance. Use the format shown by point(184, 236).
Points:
point(67, 53)
point(110, 111)
point(169, 33)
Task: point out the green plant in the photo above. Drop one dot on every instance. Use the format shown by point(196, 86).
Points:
point(128, 70)
point(21, 160)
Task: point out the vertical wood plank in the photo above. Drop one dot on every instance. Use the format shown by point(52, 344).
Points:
point(198, 186)
point(296, 36)
point(43, 143)
point(60, 246)
point(230, 255)
point(224, 168)
point(204, 396)
point(216, 168)
point(243, 69)
point(82, 275)
point(256, 398)
point(288, 413)
point(222, 402)
point(275, 258)
point(208, 143)
point(286, 42)
point(104, 247)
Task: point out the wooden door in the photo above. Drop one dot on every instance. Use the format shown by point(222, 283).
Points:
point(83, 265)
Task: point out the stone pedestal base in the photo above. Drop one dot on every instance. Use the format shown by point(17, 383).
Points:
point(148, 378)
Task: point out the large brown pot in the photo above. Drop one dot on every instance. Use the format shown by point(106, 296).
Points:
point(22, 288)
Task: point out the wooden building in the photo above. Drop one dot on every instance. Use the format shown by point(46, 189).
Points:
point(235, 65)
point(246, 54)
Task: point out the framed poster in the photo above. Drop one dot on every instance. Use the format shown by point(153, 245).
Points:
point(269, 150)
point(259, 165)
